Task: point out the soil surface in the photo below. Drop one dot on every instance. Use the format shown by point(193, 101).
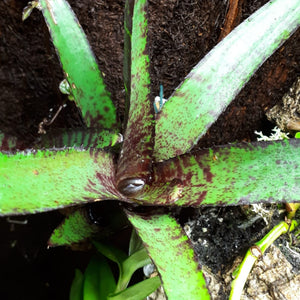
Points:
point(180, 34)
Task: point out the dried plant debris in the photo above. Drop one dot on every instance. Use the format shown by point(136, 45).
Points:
point(215, 285)
point(159, 294)
point(287, 115)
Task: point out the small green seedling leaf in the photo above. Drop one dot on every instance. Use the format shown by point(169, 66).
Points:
point(138, 291)
point(111, 252)
point(137, 260)
point(64, 87)
point(297, 135)
point(29, 8)
point(98, 279)
point(127, 265)
point(76, 291)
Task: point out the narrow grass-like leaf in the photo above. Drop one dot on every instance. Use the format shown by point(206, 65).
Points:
point(74, 229)
point(127, 265)
point(36, 181)
point(79, 64)
point(111, 252)
point(173, 256)
point(137, 260)
point(117, 256)
point(107, 283)
point(217, 79)
point(98, 279)
point(136, 156)
point(76, 292)
point(138, 291)
point(135, 243)
point(230, 175)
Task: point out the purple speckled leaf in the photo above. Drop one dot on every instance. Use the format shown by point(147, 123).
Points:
point(134, 165)
point(229, 175)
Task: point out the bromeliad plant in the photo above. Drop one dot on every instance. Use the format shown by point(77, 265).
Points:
point(154, 166)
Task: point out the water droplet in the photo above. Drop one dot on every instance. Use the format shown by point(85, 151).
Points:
point(131, 186)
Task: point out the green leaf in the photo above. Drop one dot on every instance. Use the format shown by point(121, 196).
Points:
point(98, 279)
point(137, 260)
point(136, 156)
point(91, 221)
point(74, 229)
point(117, 256)
point(135, 243)
point(29, 8)
point(111, 252)
point(99, 220)
point(297, 135)
point(138, 291)
point(79, 65)
point(243, 270)
point(173, 256)
point(229, 175)
point(36, 181)
point(76, 291)
point(209, 88)
point(127, 265)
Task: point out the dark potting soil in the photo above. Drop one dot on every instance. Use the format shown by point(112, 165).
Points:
point(29, 269)
point(180, 34)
